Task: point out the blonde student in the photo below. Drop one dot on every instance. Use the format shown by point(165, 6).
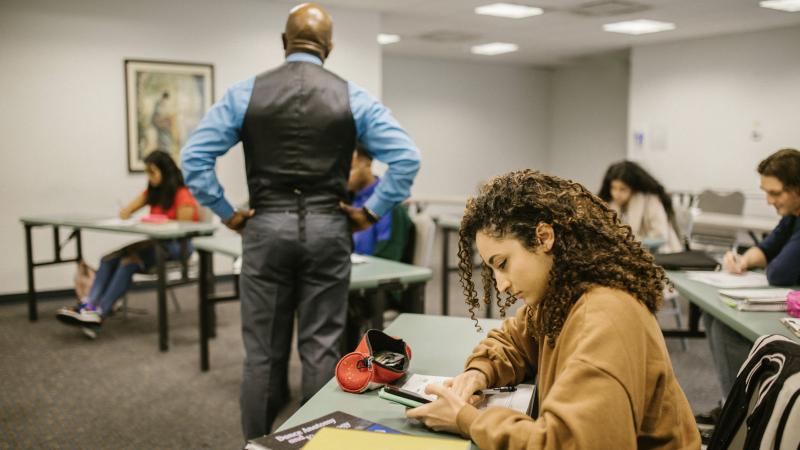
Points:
point(587, 326)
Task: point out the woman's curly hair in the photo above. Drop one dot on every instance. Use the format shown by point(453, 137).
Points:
point(591, 248)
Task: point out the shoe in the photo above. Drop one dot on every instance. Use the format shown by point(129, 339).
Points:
point(91, 331)
point(84, 314)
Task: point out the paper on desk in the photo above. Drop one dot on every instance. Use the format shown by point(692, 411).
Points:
point(757, 295)
point(518, 400)
point(729, 280)
point(355, 258)
point(116, 221)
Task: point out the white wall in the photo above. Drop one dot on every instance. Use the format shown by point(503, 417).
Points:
point(698, 104)
point(588, 118)
point(470, 121)
point(62, 89)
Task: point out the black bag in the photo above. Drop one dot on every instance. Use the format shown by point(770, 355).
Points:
point(688, 260)
point(763, 408)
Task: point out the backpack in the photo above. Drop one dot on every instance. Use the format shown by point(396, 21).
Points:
point(762, 410)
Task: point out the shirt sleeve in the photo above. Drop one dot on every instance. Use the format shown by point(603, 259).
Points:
point(214, 136)
point(383, 137)
point(183, 197)
point(507, 355)
point(573, 416)
point(782, 250)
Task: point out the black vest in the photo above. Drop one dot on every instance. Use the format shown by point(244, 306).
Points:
point(298, 136)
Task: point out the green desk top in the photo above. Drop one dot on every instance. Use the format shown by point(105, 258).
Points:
point(425, 334)
point(170, 230)
point(749, 324)
point(371, 274)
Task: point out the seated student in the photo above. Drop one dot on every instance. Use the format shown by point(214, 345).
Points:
point(779, 253)
point(165, 194)
point(587, 328)
point(389, 237)
point(642, 203)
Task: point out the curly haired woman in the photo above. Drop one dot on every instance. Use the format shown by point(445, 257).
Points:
point(588, 326)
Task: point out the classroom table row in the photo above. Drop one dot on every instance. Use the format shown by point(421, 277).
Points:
point(373, 277)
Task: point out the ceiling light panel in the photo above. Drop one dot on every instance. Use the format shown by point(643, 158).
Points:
point(636, 27)
point(386, 39)
point(508, 10)
point(781, 5)
point(494, 48)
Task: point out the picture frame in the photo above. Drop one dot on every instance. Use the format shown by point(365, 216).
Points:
point(164, 103)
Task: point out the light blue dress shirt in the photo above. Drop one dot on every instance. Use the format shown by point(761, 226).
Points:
point(376, 129)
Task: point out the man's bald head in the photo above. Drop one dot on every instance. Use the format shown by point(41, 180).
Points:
point(309, 29)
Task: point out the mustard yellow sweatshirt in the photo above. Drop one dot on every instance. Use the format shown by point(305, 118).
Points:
point(607, 384)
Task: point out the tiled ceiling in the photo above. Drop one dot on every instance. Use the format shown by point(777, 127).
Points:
point(445, 29)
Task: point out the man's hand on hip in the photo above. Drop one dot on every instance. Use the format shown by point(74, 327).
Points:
point(357, 217)
point(239, 219)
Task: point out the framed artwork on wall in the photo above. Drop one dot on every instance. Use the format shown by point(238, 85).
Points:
point(165, 102)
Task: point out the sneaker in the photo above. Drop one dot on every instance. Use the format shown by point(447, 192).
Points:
point(85, 314)
point(91, 331)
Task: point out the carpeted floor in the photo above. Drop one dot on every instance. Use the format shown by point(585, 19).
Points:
point(60, 390)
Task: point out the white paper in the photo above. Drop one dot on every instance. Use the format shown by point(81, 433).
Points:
point(116, 221)
point(730, 280)
point(517, 400)
point(355, 258)
point(756, 295)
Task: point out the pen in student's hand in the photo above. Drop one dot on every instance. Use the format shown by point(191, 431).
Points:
point(499, 389)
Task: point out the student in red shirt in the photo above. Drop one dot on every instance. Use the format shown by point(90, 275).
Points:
point(165, 194)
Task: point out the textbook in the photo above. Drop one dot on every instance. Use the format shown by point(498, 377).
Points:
point(297, 437)
point(334, 438)
point(771, 299)
point(520, 398)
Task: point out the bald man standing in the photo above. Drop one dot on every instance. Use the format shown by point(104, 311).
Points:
point(298, 124)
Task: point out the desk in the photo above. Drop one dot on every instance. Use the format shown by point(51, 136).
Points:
point(77, 222)
point(439, 345)
point(747, 323)
point(733, 222)
point(373, 278)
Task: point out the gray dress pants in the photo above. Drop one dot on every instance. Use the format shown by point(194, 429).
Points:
point(285, 272)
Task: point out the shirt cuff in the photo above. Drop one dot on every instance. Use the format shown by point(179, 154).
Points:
point(222, 208)
point(464, 419)
point(378, 206)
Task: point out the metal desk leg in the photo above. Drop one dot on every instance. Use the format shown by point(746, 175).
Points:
point(32, 310)
point(212, 289)
point(163, 332)
point(377, 303)
point(417, 291)
point(445, 270)
point(204, 307)
point(694, 318)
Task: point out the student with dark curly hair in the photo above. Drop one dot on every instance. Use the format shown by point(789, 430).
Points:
point(587, 328)
point(641, 202)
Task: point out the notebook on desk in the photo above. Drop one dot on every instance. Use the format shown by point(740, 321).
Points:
point(334, 438)
point(521, 397)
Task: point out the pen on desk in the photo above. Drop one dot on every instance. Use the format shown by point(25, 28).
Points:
point(499, 389)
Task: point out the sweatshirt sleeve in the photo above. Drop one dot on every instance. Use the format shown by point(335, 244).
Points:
point(507, 354)
point(572, 416)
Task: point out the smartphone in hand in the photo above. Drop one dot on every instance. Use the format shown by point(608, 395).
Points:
point(402, 396)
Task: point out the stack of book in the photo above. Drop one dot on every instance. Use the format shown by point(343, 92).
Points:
point(771, 299)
